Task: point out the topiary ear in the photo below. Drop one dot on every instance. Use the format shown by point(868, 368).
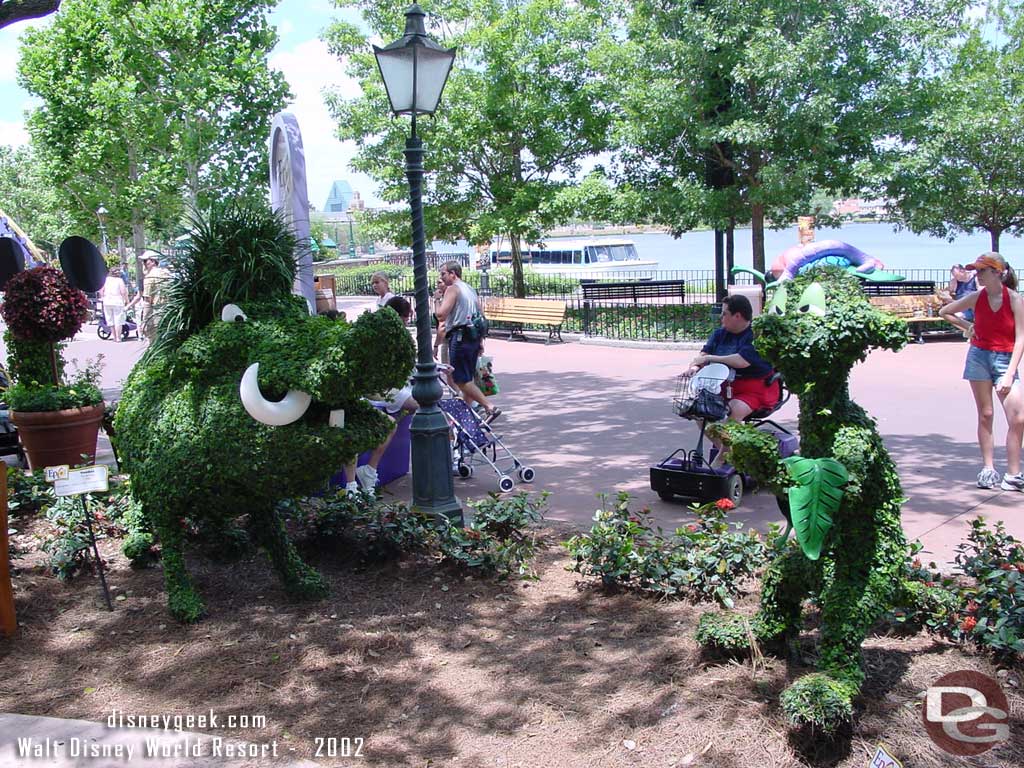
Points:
point(887, 332)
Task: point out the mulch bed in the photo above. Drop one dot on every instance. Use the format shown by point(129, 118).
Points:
point(434, 667)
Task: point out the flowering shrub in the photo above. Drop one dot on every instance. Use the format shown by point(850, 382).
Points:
point(984, 606)
point(703, 560)
point(41, 305)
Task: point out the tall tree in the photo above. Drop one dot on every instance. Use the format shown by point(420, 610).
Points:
point(786, 95)
point(27, 196)
point(963, 171)
point(145, 104)
point(522, 108)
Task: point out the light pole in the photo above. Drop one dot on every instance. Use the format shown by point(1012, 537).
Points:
point(101, 214)
point(351, 239)
point(415, 69)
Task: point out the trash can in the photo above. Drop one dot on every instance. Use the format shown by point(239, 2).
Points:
point(753, 292)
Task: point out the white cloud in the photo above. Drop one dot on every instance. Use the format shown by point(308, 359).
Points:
point(309, 68)
point(13, 133)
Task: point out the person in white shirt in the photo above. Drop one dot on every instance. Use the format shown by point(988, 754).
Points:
point(115, 297)
point(379, 284)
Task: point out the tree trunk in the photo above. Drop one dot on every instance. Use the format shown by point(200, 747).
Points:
point(994, 234)
point(757, 235)
point(518, 282)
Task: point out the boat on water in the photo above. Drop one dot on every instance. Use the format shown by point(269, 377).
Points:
point(577, 256)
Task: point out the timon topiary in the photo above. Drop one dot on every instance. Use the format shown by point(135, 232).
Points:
point(843, 492)
point(230, 329)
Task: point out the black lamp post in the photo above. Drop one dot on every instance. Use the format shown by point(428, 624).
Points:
point(415, 69)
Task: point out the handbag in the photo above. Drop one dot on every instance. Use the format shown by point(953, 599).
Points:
point(484, 377)
point(708, 405)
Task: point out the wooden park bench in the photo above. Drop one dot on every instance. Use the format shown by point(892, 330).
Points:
point(521, 312)
point(920, 311)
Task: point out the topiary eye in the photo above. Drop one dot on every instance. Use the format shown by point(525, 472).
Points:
point(812, 300)
point(777, 306)
point(232, 313)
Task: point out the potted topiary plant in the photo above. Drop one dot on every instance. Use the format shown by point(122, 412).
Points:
point(58, 419)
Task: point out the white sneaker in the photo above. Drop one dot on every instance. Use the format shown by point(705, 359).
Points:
point(988, 478)
point(352, 488)
point(367, 477)
point(1013, 482)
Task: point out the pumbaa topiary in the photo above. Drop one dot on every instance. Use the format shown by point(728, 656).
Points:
point(194, 451)
point(844, 491)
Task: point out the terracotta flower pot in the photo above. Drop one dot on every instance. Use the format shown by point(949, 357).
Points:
point(59, 437)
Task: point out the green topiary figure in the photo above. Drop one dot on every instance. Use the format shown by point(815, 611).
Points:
point(843, 491)
point(229, 330)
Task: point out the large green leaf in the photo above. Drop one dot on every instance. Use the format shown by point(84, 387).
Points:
point(814, 499)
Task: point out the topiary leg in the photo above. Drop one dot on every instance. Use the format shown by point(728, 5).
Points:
point(300, 580)
point(183, 601)
point(787, 582)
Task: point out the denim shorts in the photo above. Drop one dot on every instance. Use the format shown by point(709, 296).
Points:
point(986, 365)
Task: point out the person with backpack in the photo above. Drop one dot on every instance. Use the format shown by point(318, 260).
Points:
point(465, 327)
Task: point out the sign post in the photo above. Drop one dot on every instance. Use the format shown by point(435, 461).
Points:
point(78, 482)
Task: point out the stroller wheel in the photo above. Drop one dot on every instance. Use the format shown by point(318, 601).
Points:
point(506, 483)
point(465, 470)
point(526, 474)
point(734, 488)
point(103, 332)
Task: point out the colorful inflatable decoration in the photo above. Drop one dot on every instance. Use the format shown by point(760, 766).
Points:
point(30, 253)
point(793, 261)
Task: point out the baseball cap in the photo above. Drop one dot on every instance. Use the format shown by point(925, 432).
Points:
point(149, 254)
point(987, 261)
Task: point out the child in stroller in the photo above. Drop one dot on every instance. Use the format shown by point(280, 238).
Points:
point(474, 441)
point(703, 396)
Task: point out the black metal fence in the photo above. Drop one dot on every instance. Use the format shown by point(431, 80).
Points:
point(646, 319)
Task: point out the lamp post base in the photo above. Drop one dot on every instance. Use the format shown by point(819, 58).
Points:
point(433, 490)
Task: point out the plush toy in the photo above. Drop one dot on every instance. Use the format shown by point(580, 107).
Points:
point(842, 493)
point(245, 399)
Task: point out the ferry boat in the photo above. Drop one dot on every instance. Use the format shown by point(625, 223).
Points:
point(575, 256)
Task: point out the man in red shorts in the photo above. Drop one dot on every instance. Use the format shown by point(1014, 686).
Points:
point(733, 345)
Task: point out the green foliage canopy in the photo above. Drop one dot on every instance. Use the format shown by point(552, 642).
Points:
point(523, 107)
point(787, 94)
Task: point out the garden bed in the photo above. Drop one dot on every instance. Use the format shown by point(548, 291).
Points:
point(432, 667)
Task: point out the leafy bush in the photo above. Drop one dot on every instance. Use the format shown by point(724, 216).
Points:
point(362, 525)
point(67, 541)
point(498, 539)
point(985, 605)
point(81, 390)
point(41, 305)
point(27, 492)
point(703, 560)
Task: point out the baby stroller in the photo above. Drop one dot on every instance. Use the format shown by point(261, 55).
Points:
point(702, 397)
point(127, 329)
point(474, 442)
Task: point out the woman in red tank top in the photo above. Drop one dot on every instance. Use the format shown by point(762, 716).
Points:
point(997, 343)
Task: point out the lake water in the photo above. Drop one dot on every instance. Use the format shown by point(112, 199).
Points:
point(897, 250)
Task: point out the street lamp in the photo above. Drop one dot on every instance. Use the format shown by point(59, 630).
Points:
point(101, 214)
point(415, 69)
point(351, 239)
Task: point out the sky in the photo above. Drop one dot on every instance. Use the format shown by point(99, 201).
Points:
point(300, 55)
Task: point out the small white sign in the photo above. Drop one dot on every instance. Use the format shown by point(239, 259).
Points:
point(883, 759)
point(53, 474)
point(84, 480)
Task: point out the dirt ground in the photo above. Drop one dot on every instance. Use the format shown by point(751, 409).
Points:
point(431, 667)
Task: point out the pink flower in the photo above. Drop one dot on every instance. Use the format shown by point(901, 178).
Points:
point(725, 504)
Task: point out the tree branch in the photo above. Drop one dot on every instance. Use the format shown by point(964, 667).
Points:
point(12, 11)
